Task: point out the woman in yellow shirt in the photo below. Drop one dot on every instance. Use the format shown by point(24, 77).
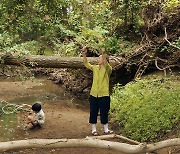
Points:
point(99, 95)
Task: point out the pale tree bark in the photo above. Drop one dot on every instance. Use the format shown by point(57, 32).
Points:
point(86, 142)
point(51, 61)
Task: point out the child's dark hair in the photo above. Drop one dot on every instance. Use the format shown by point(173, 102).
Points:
point(36, 107)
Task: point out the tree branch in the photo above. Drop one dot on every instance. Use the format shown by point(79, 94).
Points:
point(87, 142)
point(168, 40)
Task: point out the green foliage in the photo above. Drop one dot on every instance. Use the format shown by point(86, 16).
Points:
point(177, 42)
point(146, 109)
point(94, 38)
point(70, 22)
point(10, 43)
point(100, 14)
point(170, 4)
point(167, 49)
point(23, 48)
point(90, 22)
point(7, 40)
point(113, 46)
point(66, 49)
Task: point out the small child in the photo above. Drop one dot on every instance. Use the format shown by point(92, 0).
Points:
point(38, 117)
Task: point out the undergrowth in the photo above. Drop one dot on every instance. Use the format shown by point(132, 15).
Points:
point(147, 109)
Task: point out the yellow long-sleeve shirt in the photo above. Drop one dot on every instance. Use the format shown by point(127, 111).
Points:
point(100, 85)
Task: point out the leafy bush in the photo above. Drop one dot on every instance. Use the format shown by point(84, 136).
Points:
point(171, 4)
point(94, 38)
point(66, 49)
point(113, 45)
point(7, 40)
point(13, 44)
point(146, 109)
point(23, 48)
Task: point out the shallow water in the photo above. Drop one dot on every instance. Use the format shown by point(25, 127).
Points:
point(44, 91)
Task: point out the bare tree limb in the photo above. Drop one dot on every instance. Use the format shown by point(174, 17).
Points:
point(102, 137)
point(168, 40)
point(161, 69)
point(87, 142)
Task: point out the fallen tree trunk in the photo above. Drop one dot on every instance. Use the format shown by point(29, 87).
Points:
point(87, 142)
point(50, 61)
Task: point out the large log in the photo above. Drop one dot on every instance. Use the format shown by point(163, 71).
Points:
point(50, 61)
point(86, 142)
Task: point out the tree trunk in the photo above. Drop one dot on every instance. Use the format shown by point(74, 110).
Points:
point(86, 142)
point(49, 61)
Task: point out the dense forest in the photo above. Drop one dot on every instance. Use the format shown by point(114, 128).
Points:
point(62, 27)
point(144, 32)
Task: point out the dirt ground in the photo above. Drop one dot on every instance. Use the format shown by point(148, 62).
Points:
point(62, 121)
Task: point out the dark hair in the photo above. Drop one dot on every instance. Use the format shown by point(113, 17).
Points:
point(36, 107)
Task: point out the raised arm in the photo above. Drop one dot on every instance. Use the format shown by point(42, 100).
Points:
point(86, 63)
point(84, 52)
point(106, 63)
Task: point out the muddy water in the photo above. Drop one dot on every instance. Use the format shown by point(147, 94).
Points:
point(17, 93)
point(44, 90)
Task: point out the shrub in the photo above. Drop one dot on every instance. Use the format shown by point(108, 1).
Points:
point(146, 109)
